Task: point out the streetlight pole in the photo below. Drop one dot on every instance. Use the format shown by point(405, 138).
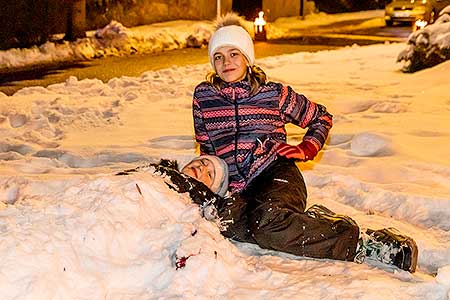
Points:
point(218, 8)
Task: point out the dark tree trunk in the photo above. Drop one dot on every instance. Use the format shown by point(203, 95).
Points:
point(76, 20)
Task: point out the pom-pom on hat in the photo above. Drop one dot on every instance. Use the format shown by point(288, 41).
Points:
point(220, 183)
point(230, 33)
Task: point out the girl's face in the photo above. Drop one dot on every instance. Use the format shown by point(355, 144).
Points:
point(202, 170)
point(230, 63)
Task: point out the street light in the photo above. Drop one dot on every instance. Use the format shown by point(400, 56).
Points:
point(419, 24)
point(260, 27)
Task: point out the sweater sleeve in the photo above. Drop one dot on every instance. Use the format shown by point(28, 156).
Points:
point(297, 109)
point(201, 134)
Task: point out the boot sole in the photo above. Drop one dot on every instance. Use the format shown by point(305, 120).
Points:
point(414, 253)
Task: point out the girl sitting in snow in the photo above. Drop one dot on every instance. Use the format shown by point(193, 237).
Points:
point(324, 235)
point(241, 118)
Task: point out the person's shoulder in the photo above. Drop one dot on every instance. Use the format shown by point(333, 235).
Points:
point(204, 90)
point(272, 86)
point(204, 85)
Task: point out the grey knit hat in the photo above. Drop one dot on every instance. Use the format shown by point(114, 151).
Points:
point(220, 183)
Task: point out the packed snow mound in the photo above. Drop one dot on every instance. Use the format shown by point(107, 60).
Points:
point(124, 238)
point(429, 46)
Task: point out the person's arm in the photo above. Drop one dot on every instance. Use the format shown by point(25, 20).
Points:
point(177, 181)
point(297, 109)
point(201, 134)
point(181, 183)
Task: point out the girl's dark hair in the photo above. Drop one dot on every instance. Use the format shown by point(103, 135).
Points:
point(255, 77)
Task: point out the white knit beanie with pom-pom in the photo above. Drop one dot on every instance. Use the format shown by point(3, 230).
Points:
point(231, 33)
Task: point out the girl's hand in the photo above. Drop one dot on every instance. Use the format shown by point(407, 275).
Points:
point(303, 152)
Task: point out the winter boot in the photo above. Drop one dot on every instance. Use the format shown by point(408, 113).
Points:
point(388, 246)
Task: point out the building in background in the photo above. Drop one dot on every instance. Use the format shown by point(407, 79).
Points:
point(340, 6)
point(30, 22)
point(273, 9)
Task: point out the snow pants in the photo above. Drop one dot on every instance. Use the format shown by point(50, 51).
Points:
point(271, 213)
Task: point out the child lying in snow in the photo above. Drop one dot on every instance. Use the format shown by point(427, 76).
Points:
point(317, 232)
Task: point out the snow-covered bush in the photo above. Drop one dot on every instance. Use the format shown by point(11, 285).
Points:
point(429, 46)
point(200, 37)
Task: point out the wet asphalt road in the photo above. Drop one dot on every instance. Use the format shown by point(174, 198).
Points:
point(110, 67)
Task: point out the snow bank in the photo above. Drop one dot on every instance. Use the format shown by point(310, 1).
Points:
point(429, 46)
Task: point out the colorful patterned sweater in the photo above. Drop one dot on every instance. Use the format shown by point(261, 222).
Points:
point(245, 130)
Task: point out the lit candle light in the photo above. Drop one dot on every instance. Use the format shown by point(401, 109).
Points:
point(420, 24)
point(260, 22)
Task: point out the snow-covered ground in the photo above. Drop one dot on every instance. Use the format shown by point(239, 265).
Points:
point(70, 229)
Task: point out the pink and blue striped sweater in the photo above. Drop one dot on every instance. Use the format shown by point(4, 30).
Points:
point(245, 130)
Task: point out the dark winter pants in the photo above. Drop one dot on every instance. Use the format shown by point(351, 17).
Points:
point(271, 213)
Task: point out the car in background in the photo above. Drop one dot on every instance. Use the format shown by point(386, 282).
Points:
point(413, 10)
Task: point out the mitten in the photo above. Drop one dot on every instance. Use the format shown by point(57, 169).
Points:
point(303, 151)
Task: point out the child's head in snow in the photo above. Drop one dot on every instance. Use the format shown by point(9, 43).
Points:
point(211, 170)
point(232, 54)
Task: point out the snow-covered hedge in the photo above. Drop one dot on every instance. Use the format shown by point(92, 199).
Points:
point(429, 46)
